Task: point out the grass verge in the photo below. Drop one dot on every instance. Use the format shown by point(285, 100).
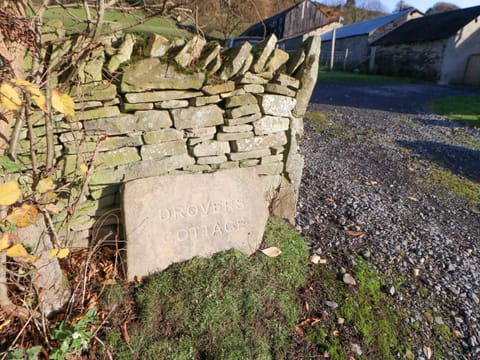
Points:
point(464, 188)
point(74, 21)
point(464, 109)
point(227, 307)
point(346, 77)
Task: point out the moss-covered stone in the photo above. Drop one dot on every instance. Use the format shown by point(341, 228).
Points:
point(270, 124)
point(242, 111)
point(243, 120)
point(212, 160)
point(280, 90)
point(233, 136)
point(156, 96)
point(211, 148)
point(151, 74)
point(216, 89)
point(191, 51)
point(127, 107)
point(103, 112)
point(191, 118)
point(93, 92)
point(164, 149)
point(156, 137)
point(240, 100)
point(262, 52)
point(118, 157)
point(234, 60)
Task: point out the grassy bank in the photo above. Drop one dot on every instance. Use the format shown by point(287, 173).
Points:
point(464, 109)
point(346, 77)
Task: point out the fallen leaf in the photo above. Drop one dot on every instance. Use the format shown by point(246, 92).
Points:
point(63, 253)
point(299, 330)
point(4, 241)
point(10, 193)
point(45, 185)
point(412, 198)
point(9, 97)
point(315, 259)
point(62, 103)
point(409, 354)
point(427, 351)
point(336, 333)
point(19, 253)
point(52, 208)
point(34, 91)
point(124, 329)
point(272, 251)
point(458, 334)
point(53, 253)
point(23, 216)
point(359, 234)
point(329, 200)
point(5, 324)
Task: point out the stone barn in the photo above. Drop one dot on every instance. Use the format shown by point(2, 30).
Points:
point(443, 47)
point(352, 41)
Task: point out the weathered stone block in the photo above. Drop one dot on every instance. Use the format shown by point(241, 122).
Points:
point(212, 160)
point(201, 132)
point(191, 118)
point(94, 92)
point(243, 120)
point(152, 120)
point(254, 88)
point(156, 96)
point(287, 81)
point(278, 58)
point(141, 169)
point(172, 104)
point(210, 52)
point(126, 107)
point(280, 90)
point(216, 89)
point(191, 51)
point(249, 78)
point(234, 60)
point(276, 105)
point(210, 148)
point(272, 158)
point(260, 142)
point(270, 124)
point(256, 154)
point(180, 217)
point(263, 50)
point(237, 128)
point(123, 54)
point(249, 162)
point(118, 157)
point(274, 168)
point(164, 149)
point(242, 111)
point(110, 143)
point(104, 112)
point(240, 100)
point(156, 137)
point(157, 46)
point(236, 92)
point(205, 100)
point(233, 136)
point(151, 73)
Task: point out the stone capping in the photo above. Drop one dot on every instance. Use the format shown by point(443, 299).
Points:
point(200, 111)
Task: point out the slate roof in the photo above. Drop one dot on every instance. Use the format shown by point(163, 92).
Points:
point(430, 27)
point(364, 27)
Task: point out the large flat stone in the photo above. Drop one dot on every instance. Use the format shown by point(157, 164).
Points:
point(156, 96)
point(270, 124)
point(151, 74)
point(276, 105)
point(164, 149)
point(170, 219)
point(260, 142)
point(199, 117)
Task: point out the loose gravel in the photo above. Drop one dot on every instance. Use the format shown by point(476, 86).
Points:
point(364, 193)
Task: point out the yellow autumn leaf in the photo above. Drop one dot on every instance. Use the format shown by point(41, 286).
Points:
point(9, 193)
point(63, 253)
point(53, 253)
point(83, 168)
point(9, 97)
point(4, 241)
point(23, 216)
point(45, 185)
point(19, 252)
point(34, 92)
point(62, 103)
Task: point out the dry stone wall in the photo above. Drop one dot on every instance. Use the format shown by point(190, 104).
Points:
point(195, 109)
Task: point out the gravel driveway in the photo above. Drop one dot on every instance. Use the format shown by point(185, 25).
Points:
point(369, 169)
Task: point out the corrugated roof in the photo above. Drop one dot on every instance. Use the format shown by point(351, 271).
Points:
point(430, 27)
point(364, 27)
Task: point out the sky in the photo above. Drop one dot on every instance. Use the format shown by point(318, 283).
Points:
point(424, 5)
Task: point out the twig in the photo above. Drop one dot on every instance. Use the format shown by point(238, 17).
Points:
point(17, 130)
point(31, 137)
point(49, 127)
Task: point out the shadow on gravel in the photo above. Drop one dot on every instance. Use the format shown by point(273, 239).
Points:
point(439, 122)
point(461, 160)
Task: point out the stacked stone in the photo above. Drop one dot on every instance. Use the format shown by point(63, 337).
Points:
point(203, 111)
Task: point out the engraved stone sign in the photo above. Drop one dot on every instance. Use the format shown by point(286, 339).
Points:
point(174, 218)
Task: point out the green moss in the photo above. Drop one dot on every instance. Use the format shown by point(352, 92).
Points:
point(225, 307)
point(446, 181)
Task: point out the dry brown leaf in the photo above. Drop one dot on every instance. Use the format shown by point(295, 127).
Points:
point(315, 259)
point(359, 234)
point(23, 216)
point(412, 198)
point(272, 251)
point(299, 330)
point(52, 208)
point(458, 334)
point(124, 329)
point(329, 200)
point(427, 351)
point(409, 354)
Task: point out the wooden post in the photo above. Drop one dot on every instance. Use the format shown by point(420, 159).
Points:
point(345, 60)
point(332, 55)
point(371, 64)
